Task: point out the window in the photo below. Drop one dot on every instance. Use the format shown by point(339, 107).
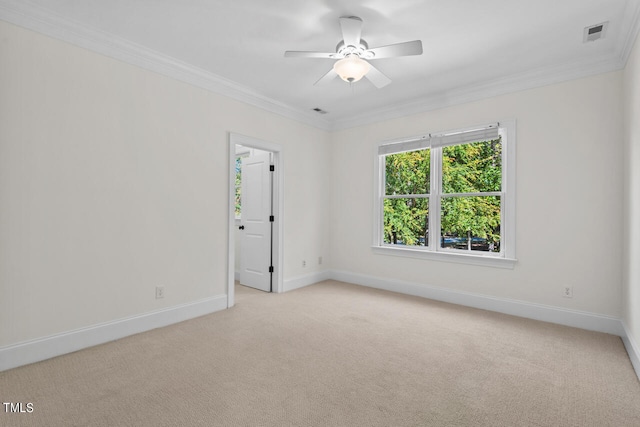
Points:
point(448, 196)
point(238, 186)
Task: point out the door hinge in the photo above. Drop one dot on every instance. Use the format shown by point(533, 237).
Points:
point(272, 168)
point(271, 218)
point(271, 269)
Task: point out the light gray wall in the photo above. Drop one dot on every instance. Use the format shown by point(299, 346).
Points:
point(114, 180)
point(568, 197)
point(631, 292)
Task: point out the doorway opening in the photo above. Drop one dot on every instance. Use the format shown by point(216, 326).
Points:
point(255, 215)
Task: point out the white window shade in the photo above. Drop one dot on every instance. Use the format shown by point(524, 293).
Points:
point(485, 133)
point(419, 143)
point(488, 133)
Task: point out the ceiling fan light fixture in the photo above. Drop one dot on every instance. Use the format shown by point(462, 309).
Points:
point(352, 68)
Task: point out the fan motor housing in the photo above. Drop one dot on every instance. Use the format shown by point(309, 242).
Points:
point(343, 51)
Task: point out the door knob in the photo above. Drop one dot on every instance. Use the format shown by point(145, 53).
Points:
point(241, 227)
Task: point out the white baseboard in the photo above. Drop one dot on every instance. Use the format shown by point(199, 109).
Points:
point(558, 315)
point(545, 313)
point(562, 316)
point(45, 348)
point(306, 280)
point(632, 349)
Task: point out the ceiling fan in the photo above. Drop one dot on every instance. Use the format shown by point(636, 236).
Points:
point(353, 55)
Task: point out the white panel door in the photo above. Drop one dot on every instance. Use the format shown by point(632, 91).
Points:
point(255, 228)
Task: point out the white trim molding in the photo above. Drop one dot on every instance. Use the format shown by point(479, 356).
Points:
point(278, 211)
point(471, 93)
point(561, 316)
point(485, 261)
point(50, 24)
point(545, 313)
point(40, 349)
point(44, 21)
point(306, 280)
point(632, 349)
point(44, 348)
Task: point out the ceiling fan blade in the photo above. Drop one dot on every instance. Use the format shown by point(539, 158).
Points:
point(302, 54)
point(376, 77)
point(326, 78)
point(351, 30)
point(398, 49)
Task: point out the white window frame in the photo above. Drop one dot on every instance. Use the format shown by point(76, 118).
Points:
point(506, 258)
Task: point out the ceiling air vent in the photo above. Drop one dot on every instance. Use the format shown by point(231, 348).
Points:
point(595, 32)
point(320, 110)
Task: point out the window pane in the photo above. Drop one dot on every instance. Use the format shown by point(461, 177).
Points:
point(238, 186)
point(471, 223)
point(472, 168)
point(407, 173)
point(406, 221)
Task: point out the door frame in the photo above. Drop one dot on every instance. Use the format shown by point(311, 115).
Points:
point(277, 249)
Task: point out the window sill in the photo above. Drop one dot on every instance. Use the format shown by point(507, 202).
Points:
point(486, 261)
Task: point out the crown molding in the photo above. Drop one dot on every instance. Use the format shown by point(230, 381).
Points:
point(616, 60)
point(510, 84)
point(630, 30)
point(46, 22)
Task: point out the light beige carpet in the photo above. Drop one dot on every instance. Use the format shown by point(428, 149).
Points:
point(334, 354)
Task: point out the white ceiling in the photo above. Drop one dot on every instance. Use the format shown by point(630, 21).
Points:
point(472, 49)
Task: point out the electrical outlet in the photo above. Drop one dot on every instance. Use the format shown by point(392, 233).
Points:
point(159, 292)
point(304, 263)
point(567, 292)
point(319, 260)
